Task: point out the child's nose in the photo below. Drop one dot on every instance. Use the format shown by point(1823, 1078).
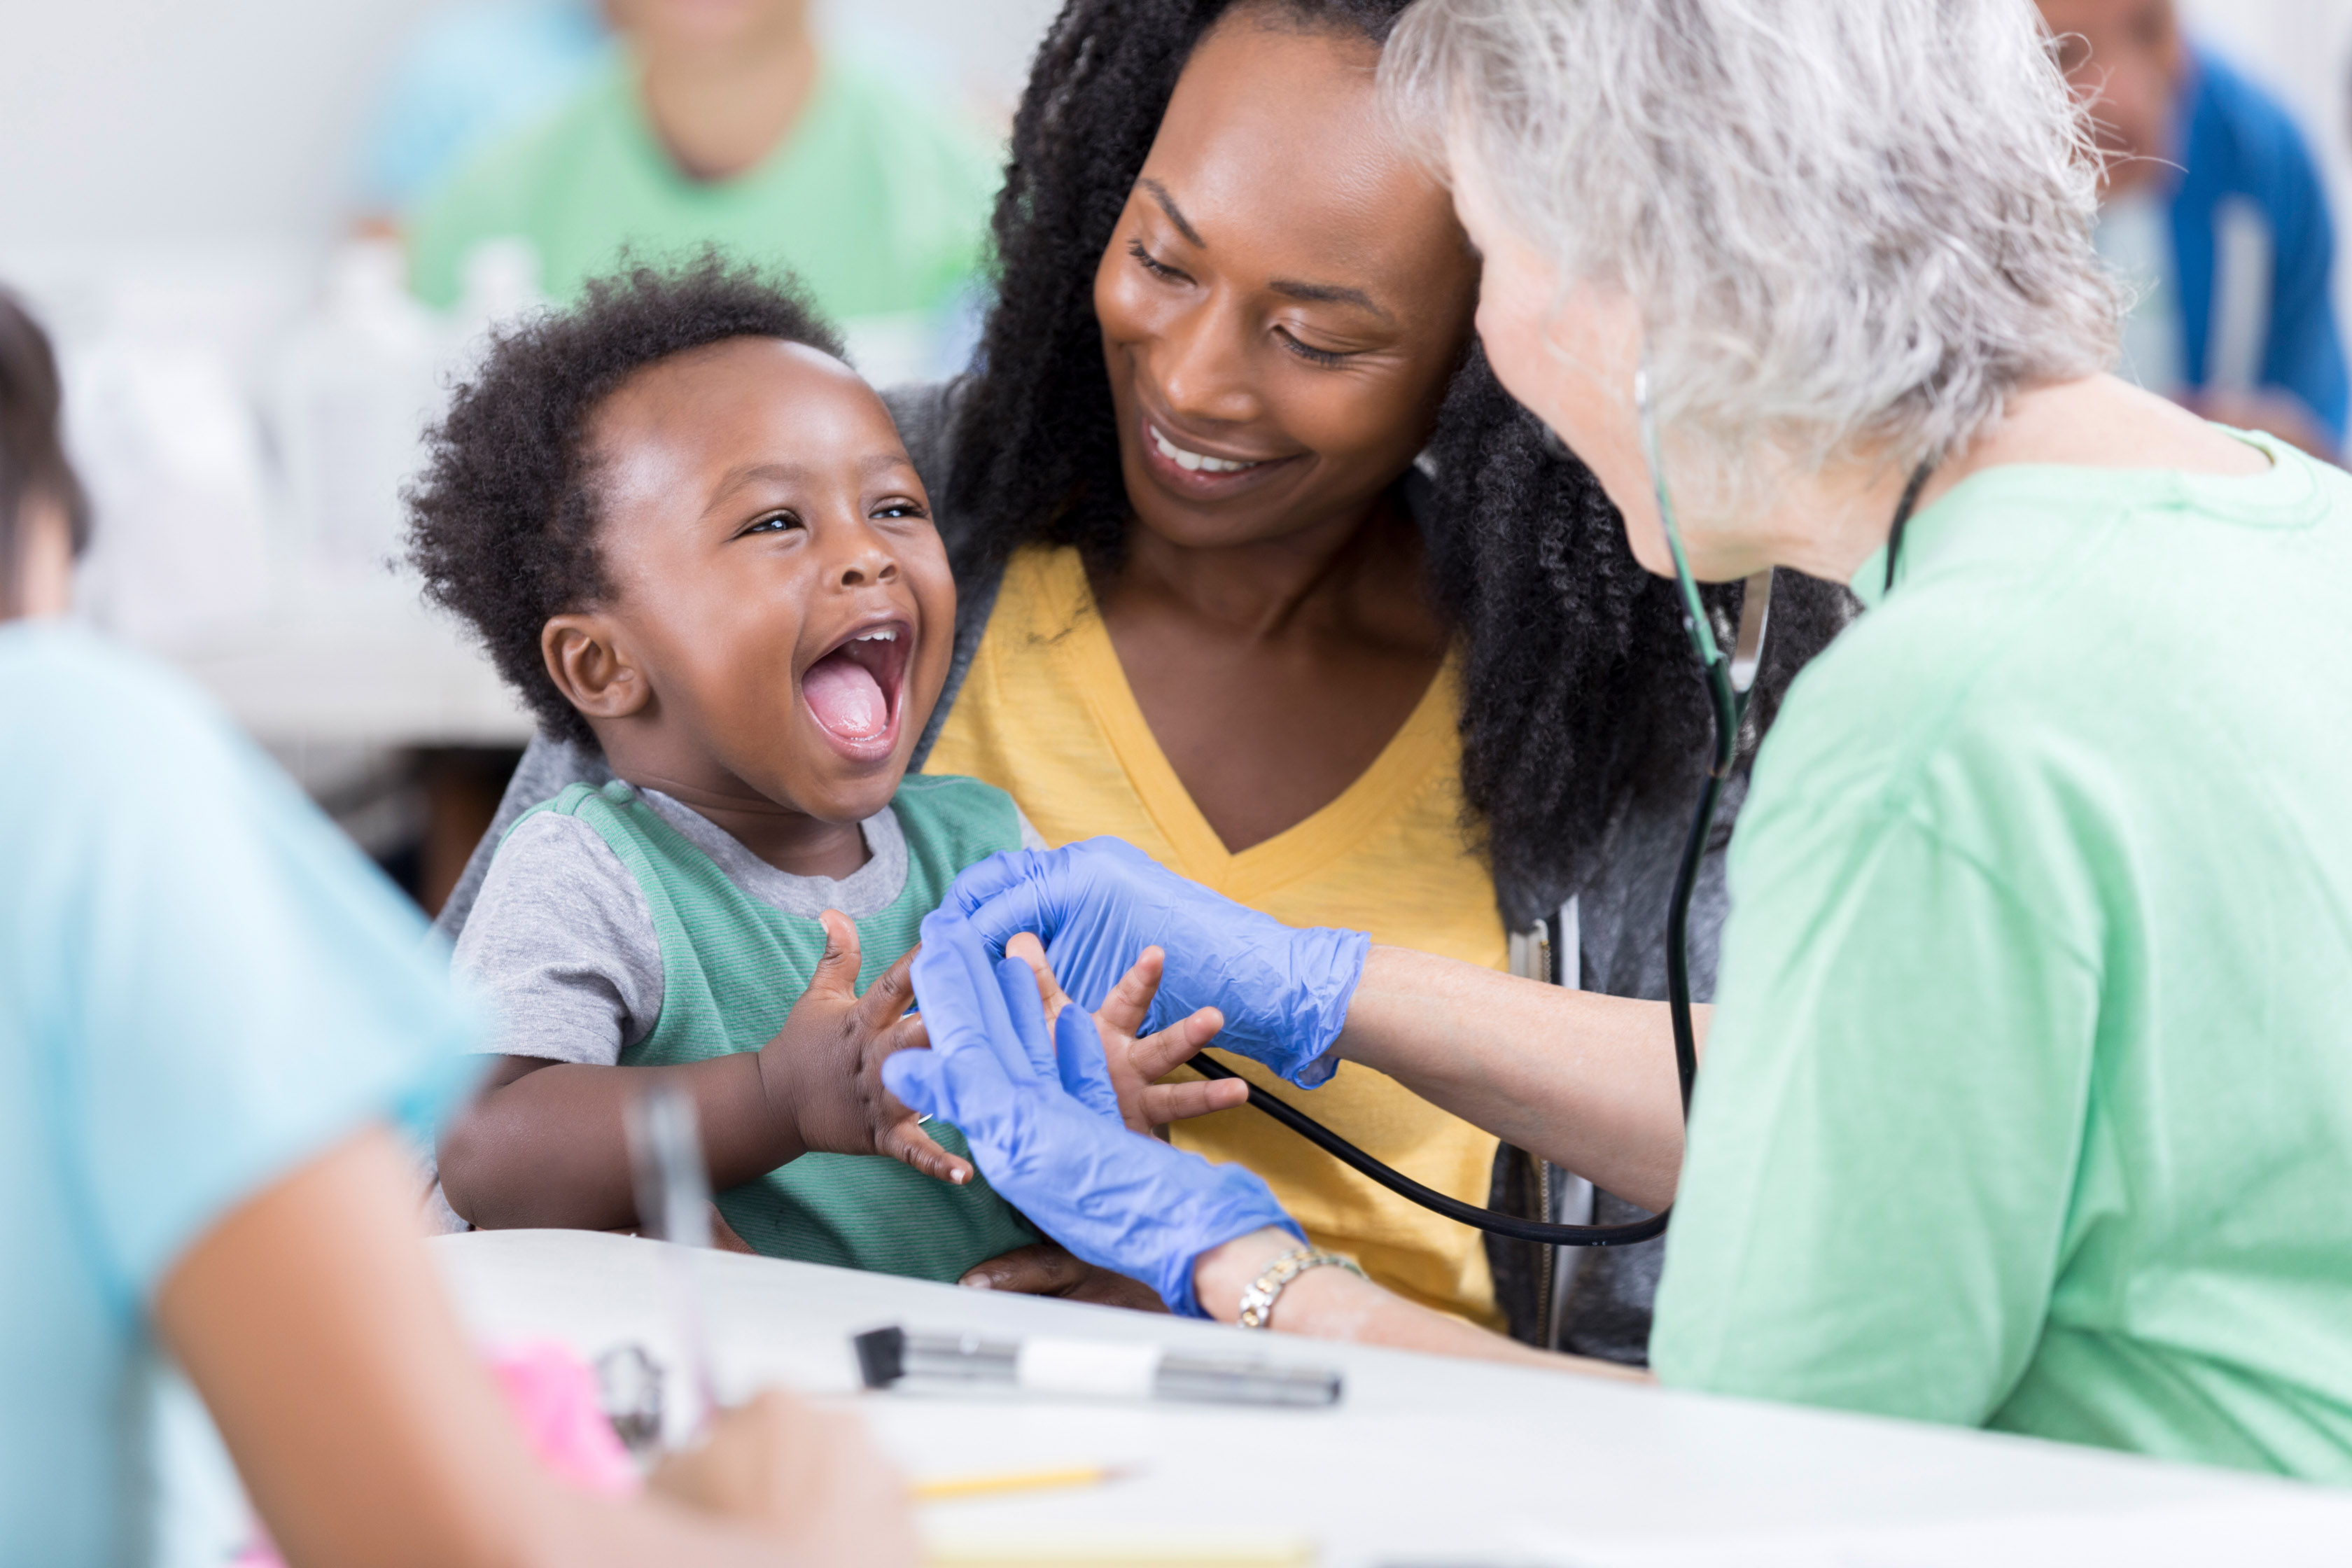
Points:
point(867, 563)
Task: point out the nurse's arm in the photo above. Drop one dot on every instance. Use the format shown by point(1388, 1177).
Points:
point(1333, 1304)
point(1587, 1082)
point(366, 1431)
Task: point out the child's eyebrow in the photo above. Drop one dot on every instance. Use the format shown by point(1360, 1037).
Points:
point(869, 466)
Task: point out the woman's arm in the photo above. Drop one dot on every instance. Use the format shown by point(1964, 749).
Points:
point(367, 1433)
point(1585, 1080)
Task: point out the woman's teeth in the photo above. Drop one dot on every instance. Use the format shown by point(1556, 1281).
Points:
point(1195, 462)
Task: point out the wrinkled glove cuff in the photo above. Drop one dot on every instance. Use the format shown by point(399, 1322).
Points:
point(1340, 956)
point(1237, 1204)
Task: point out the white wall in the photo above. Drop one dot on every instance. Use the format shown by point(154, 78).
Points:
point(161, 122)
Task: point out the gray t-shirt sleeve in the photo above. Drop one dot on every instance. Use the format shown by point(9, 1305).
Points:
point(1030, 837)
point(562, 945)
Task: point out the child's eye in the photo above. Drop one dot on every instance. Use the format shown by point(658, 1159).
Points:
point(1151, 263)
point(900, 508)
point(775, 523)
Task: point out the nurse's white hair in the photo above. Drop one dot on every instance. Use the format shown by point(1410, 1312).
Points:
point(1848, 225)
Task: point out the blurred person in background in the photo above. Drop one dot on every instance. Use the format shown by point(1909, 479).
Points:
point(212, 1015)
point(469, 76)
point(723, 122)
point(2214, 209)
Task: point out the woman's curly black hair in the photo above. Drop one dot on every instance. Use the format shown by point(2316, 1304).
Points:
point(502, 521)
point(1580, 688)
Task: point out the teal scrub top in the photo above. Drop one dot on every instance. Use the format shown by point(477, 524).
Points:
point(877, 200)
point(2028, 1100)
point(203, 984)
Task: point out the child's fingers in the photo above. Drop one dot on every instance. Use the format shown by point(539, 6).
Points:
point(909, 1142)
point(1129, 1002)
point(886, 1000)
point(836, 972)
point(1157, 1054)
point(1026, 947)
point(1162, 1103)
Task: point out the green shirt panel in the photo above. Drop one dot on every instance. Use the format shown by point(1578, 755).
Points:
point(732, 969)
point(878, 201)
point(2027, 1101)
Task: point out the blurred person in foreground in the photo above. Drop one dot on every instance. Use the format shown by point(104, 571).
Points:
point(723, 122)
point(213, 1012)
point(2214, 209)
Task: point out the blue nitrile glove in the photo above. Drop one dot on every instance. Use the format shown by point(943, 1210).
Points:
point(1044, 1125)
point(1096, 905)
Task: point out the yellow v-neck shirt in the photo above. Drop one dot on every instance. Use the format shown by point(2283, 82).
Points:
point(1046, 714)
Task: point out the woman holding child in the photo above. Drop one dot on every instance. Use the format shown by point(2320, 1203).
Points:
point(1259, 569)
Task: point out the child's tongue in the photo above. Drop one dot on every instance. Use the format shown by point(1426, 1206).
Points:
point(845, 697)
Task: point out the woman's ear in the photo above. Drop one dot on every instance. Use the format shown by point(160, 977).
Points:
point(592, 666)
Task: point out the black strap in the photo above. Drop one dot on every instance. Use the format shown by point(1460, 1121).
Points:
point(1903, 515)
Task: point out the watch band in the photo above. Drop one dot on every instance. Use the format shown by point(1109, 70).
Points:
point(1257, 1301)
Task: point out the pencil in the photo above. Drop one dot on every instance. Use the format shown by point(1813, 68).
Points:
point(948, 1487)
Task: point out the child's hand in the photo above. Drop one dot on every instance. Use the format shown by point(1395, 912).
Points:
point(1137, 1064)
point(822, 1072)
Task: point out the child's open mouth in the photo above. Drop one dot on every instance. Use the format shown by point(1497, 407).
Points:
point(853, 689)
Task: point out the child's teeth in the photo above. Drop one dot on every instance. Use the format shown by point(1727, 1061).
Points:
point(1193, 463)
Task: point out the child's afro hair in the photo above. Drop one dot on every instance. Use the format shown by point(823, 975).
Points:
point(502, 521)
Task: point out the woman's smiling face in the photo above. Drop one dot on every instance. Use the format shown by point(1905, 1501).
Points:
point(1285, 296)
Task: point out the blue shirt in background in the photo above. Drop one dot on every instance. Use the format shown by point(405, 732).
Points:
point(2238, 292)
point(467, 76)
point(202, 986)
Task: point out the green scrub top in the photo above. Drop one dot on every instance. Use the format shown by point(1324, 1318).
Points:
point(878, 201)
point(2027, 1101)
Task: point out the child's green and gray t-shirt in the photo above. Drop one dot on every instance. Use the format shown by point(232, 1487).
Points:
point(619, 927)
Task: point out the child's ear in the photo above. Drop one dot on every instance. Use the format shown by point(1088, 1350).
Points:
point(592, 666)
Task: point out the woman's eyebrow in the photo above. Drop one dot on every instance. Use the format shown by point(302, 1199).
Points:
point(1175, 215)
point(1330, 294)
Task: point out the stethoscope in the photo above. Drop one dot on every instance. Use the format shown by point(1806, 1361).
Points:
point(1730, 680)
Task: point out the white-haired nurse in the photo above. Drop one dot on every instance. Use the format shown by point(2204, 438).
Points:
point(2028, 1095)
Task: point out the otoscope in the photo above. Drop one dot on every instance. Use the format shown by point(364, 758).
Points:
point(1728, 684)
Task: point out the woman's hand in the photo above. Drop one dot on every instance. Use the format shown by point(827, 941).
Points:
point(821, 1075)
point(1049, 1268)
point(1044, 1124)
point(1283, 991)
point(810, 1480)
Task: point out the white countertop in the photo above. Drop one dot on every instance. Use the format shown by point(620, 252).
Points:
point(1425, 1460)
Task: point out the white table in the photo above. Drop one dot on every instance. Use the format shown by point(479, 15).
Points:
point(1426, 1460)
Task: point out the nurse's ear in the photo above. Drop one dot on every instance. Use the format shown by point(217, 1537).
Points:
point(592, 665)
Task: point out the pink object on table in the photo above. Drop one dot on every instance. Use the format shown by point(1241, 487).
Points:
point(553, 1394)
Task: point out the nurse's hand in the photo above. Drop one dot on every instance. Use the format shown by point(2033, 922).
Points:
point(1044, 1123)
point(1138, 1061)
point(1283, 990)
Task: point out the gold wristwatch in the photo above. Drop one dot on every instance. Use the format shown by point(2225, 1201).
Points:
point(1257, 1301)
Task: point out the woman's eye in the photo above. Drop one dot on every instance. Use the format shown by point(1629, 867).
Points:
point(1327, 358)
point(1151, 263)
point(775, 523)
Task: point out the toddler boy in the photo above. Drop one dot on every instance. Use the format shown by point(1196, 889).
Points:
point(690, 535)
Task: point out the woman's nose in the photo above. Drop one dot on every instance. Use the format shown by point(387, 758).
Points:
point(1202, 365)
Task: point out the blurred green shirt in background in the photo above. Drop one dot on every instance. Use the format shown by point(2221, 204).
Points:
point(878, 201)
point(2027, 1101)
